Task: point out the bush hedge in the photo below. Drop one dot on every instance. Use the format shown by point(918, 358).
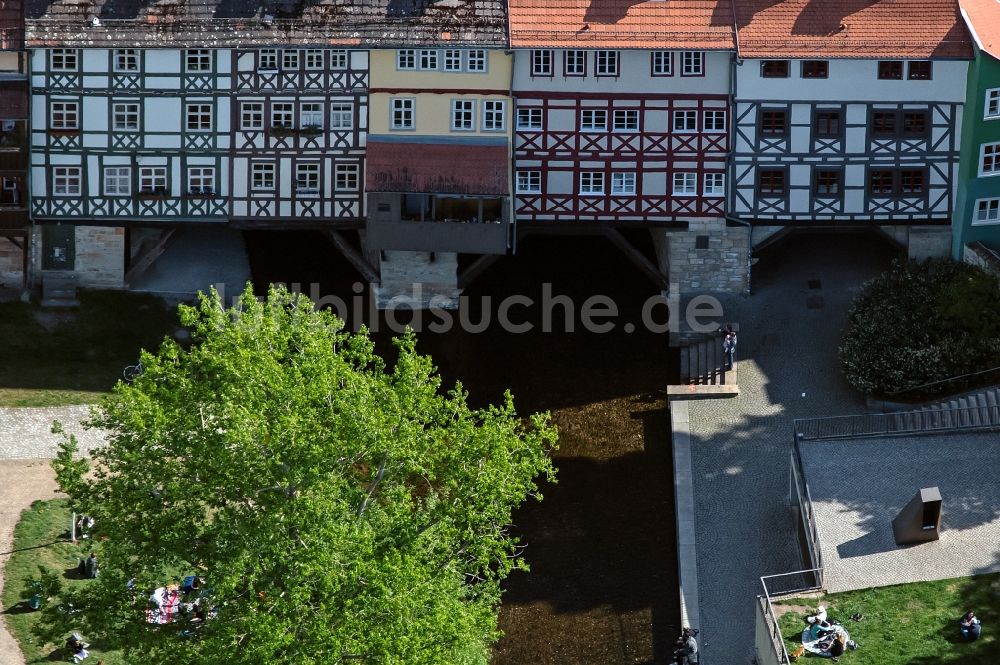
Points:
point(921, 322)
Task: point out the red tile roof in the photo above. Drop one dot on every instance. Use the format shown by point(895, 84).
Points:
point(983, 18)
point(851, 29)
point(665, 24)
point(396, 166)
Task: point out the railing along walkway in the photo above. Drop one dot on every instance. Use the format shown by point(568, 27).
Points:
point(898, 424)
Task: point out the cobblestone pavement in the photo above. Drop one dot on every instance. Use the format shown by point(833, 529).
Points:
point(21, 483)
point(26, 433)
point(790, 331)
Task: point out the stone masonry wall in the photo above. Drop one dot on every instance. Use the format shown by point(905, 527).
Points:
point(721, 267)
point(100, 256)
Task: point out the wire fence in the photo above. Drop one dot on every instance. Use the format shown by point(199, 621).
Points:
point(897, 424)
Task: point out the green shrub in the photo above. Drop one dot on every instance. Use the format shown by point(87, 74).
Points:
point(921, 322)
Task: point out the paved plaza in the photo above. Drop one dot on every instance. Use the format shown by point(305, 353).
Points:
point(26, 433)
point(859, 486)
point(740, 447)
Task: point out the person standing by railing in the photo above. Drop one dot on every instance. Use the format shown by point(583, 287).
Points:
point(729, 346)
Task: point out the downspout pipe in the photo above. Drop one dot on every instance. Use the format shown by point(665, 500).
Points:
point(737, 61)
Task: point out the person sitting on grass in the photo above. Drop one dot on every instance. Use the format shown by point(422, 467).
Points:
point(819, 627)
point(970, 626)
point(77, 647)
point(839, 645)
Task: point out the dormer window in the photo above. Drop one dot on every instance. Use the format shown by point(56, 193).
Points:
point(774, 69)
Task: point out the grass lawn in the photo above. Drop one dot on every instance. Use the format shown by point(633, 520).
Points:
point(907, 624)
point(57, 357)
point(39, 540)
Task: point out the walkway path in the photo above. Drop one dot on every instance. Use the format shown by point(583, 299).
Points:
point(26, 445)
point(741, 446)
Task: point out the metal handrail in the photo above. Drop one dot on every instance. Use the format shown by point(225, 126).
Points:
point(899, 423)
point(950, 379)
point(777, 640)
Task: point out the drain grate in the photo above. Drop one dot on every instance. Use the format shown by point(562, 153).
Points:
point(814, 284)
point(814, 302)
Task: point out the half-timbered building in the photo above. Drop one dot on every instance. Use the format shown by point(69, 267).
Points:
point(438, 154)
point(192, 114)
point(622, 118)
point(849, 117)
point(14, 225)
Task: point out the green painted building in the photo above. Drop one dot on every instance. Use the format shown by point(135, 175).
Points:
point(977, 210)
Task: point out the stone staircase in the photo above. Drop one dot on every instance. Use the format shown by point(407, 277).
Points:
point(975, 409)
point(703, 370)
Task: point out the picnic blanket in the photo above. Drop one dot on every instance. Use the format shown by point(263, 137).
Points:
point(812, 643)
point(167, 606)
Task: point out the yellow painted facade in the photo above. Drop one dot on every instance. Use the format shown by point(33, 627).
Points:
point(433, 92)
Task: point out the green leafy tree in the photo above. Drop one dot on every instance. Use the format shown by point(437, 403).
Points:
point(339, 509)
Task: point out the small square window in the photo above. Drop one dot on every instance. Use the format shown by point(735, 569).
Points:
point(494, 115)
point(403, 114)
point(911, 181)
point(475, 60)
point(623, 183)
point(826, 183)
point(771, 182)
point(914, 124)
point(346, 177)
point(66, 180)
point(117, 181)
point(992, 108)
point(919, 70)
point(606, 63)
point(575, 63)
point(626, 120)
point(881, 182)
point(341, 115)
point(153, 180)
point(428, 59)
point(826, 124)
point(701, 242)
point(883, 124)
point(314, 58)
point(125, 116)
point(771, 69)
point(529, 118)
point(198, 117)
point(541, 62)
point(987, 211)
point(774, 123)
point(65, 116)
point(685, 184)
point(452, 60)
point(989, 160)
point(685, 121)
point(463, 115)
point(593, 120)
point(338, 59)
point(662, 63)
point(529, 182)
point(591, 182)
point(311, 115)
point(715, 121)
point(252, 115)
point(63, 59)
point(267, 59)
point(201, 180)
point(198, 60)
point(283, 115)
point(815, 69)
point(126, 60)
point(692, 63)
point(890, 69)
point(290, 59)
point(715, 184)
point(262, 177)
point(307, 180)
point(406, 59)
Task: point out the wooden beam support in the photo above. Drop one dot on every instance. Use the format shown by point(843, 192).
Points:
point(477, 268)
point(638, 259)
point(147, 259)
point(353, 256)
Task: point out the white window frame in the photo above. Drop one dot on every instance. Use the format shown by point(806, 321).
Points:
point(589, 120)
point(994, 157)
point(406, 59)
point(406, 108)
point(283, 114)
point(201, 180)
point(198, 60)
point(494, 115)
point(313, 59)
point(307, 179)
point(592, 183)
point(476, 60)
point(541, 62)
point(530, 117)
point(451, 60)
point(430, 60)
point(346, 178)
point(715, 184)
point(341, 115)
point(692, 63)
point(128, 113)
point(716, 114)
point(607, 63)
point(575, 62)
point(991, 208)
point(126, 60)
point(152, 178)
point(528, 182)
point(991, 107)
point(311, 115)
point(252, 116)
point(463, 115)
point(683, 121)
point(627, 116)
point(338, 59)
point(67, 109)
point(661, 63)
point(198, 117)
point(291, 59)
point(262, 177)
point(685, 183)
point(64, 60)
point(67, 180)
point(623, 183)
point(118, 181)
point(267, 60)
